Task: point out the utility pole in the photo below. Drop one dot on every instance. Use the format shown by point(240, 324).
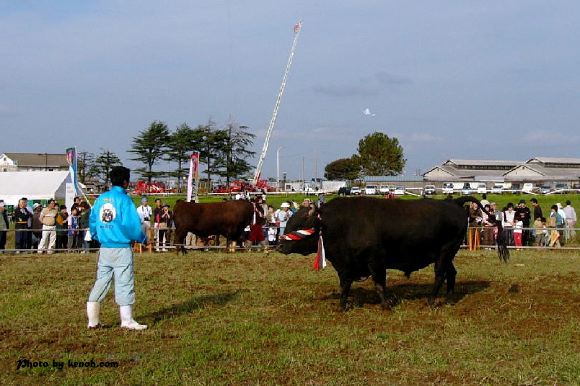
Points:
point(278, 168)
point(303, 176)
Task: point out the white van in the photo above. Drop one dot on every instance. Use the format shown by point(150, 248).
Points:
point(528, 187)
point(370, 190)
point(481, 188)
point(447, 188)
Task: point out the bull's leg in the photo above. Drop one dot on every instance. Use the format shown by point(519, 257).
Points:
point(450, 276)
point(180, 241)
point(379, 275)
point(444, 269)
point(344, 291)
point(439, 279)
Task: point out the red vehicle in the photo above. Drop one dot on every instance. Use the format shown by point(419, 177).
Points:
point(142, 187)
point(243, 186)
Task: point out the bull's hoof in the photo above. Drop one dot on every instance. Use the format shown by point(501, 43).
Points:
point(387, 306)
point(432, 302)
point(390, 302)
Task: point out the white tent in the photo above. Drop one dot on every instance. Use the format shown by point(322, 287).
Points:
point(36, 185)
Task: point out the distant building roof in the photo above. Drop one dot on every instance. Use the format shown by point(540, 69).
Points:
point(400, 178)
point(38, 160)
point(536, 171)
point(477, 162)
point(555, 161)
point(470, 170)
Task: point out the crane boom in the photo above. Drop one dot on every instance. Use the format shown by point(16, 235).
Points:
point(297, 29)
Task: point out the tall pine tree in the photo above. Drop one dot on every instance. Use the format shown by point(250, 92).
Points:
point(149, 147)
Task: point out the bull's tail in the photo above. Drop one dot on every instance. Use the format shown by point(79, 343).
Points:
point(502, 249)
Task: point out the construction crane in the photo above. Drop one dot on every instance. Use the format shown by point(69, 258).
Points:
point(297, 28)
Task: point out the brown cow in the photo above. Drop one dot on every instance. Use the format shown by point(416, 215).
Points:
point(228, 218)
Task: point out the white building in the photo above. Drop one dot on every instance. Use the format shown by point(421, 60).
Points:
point(546, 171)
point(457, 170)
point(26, 162)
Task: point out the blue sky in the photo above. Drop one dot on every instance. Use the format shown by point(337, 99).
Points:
point(471, 79)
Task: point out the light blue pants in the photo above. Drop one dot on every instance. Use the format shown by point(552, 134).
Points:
point(117, 262)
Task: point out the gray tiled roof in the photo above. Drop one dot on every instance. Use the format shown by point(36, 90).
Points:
point(401, 178)
point(555, 160)
point(550, 173)
point(24, 160)
point(476, 162)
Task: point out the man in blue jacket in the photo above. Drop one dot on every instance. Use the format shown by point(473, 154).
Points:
point(115, 223)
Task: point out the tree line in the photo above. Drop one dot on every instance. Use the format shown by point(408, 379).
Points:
point(224, 152)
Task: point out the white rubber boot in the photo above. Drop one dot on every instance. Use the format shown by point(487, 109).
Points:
point(93, 309)
point(127, 319)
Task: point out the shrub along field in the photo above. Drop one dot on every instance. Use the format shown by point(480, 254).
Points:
point(249, 318)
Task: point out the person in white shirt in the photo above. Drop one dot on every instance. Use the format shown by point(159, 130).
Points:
point(282, 216)
point(570, 213)
point(509, 222)
point(145, 215)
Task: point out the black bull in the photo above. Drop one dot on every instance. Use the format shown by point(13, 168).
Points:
point(366, 236)
point(228, 218)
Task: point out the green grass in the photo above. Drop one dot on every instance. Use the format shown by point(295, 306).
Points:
point(254, 318)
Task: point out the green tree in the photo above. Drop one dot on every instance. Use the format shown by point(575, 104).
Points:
point(236, 151)
point(104, 162)
point(180, 145)
point(210, 142)
point(379, 155)
point(342, 169)
point(149, 147)
point(85, 161)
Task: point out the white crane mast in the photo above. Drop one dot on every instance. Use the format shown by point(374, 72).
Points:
point(297, 29)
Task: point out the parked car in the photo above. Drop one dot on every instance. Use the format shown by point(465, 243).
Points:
point(355, 190)
point(447, 188)
point(481, 188)
point(383, 189)
point(399, 190)
point(561, 188)
point(466, 190)
point(497, 189)
point(343, 191)
point(370, 190)
point(528, 187)
point(430, 189)
point(545, 189)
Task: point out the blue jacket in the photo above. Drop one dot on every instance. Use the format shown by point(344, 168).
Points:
point(114, 220)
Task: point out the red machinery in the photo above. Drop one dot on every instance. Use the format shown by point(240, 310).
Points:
point(142, 187)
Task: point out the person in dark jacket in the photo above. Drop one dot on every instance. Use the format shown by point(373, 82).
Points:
point(21, 218)
point(3, 225)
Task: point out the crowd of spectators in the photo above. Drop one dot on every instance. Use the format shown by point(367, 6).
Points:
point(47, 229)
point(521, 225)
point(53, 227)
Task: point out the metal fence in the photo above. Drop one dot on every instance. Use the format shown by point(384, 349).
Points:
point(152, 245)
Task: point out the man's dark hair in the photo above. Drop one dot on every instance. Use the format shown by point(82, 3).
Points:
point(119, 175)
point(534, 200)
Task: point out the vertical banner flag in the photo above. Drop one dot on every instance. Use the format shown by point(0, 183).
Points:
point(71, 158)
point(193, 178)
point(71, 188)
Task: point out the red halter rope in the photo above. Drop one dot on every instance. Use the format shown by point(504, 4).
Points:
point(298, 235)
point(320, 259)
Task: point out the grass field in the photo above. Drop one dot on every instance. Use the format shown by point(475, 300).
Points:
point(254, 318)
